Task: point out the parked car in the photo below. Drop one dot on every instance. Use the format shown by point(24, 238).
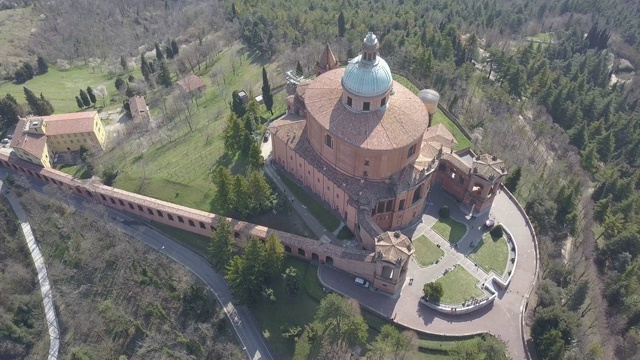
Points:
point(4, 141)
point(9, 137)
point(362, 282)
point(488, 225)
point(266, 136)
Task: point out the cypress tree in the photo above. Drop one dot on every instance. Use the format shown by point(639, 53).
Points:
point(159, 54)
point(123, 63)
point(169, 52)
point(45, 107)
point(92, 96)
point(164, 77)
point(79, 102)
point(144, 67)
point(511, 182)
point(299, 70)
point(341, 24)
point(267, 97)
point(32, 100)
point(9, 111)
point(175, 48)
point(43, 68)
point(85, 98)
point(28, 70)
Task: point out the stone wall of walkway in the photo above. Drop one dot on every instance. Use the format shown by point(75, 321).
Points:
point(357, 262)
point(43, 278)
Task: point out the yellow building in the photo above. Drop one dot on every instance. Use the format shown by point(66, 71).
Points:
point(36, 139)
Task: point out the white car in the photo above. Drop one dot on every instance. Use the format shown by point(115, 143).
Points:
point(362, 282)
point(4, 141)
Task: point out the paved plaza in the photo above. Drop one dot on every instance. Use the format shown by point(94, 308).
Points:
point(502, 318)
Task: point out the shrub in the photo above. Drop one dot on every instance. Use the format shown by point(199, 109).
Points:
point(444, 212)
point(497, 232)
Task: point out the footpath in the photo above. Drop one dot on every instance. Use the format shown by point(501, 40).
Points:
point(43, 278)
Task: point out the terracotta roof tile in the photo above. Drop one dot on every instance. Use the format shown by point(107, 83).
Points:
point(73, 123)
point(191, 83)
point(403, 121)
point(31, 143)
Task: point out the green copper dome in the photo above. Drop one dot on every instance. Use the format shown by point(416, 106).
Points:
point(367, 75)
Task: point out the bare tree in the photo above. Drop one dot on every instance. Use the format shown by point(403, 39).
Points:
point(101, 91)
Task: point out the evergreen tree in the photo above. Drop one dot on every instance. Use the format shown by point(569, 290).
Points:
point(222, 244)
point(589, 158)
point(511, 182)
point(341, 24)
point(85, 98)
point(120, 84)
point(164, 77)
point(389, 344)
point(232, 134)
point(606, 145)
point(273, 257)
point(240, 194)
point(159, 54)
point(28, 70)
point(9, 112)
point(79, 102)
point(145, 68)
point(92, 96)
point(46, 108)
point(175, 48)
point(124, 64)
point(267, 97)
point(34, 102)
point(578, 135)
point(43, 68)
point(255, 156)
point(223, 180)
point(299, 70)
point(169, 52)
point(260, 191)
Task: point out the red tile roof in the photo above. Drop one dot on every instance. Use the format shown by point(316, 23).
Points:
point(74, 123)
point(400, 124)
point(31, 143)
point(138, 108)
point(191, 83)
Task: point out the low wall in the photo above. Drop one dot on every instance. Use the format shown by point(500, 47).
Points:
point(532, 231)
point(355, 261)
point(460, 310)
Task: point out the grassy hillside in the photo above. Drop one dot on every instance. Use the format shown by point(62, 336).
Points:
point(117, 298)
point(61, 87)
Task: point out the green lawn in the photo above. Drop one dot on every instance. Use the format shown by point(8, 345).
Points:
point(78, 171)
point(449, 229)
point(440, 118)
point(326, 218)
point(61, 87)
point(15, 29)
point(345, 233)
point(194, 242)
point(406, 83)
point(541, 38)
point(458, 286)
point(180, 170)
point(491, 254)
point(426, 251)
point(288, 310)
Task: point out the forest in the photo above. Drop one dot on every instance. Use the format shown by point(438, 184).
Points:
point(549, 86)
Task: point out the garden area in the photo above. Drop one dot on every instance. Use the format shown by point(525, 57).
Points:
point(491, 254)
point(427, 252)
point(449, 229)
point(458, 285)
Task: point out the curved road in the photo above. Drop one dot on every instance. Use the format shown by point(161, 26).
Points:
point(243, 323)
